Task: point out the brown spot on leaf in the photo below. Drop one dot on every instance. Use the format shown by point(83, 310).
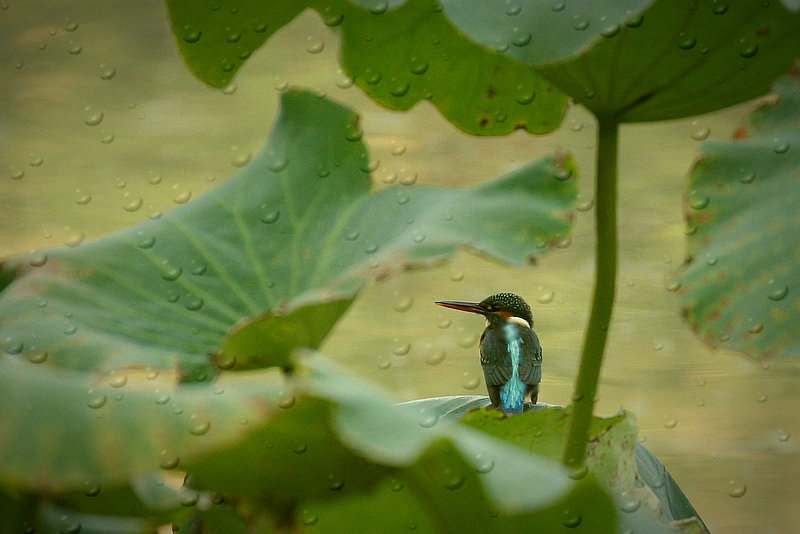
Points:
point(741, 133)
point(490, 92)
point(764, 31)
point(484, 122)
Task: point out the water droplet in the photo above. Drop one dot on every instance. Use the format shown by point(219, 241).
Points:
point(670, 422)
point(74, 49)
point(107, 137)
point(629, 503)
point(470, 382)
point(91, 490)
point(781, 147)
point(776, 291)
point(132, 205)
point(544, 296)
point(698, 202)
point(170, 272)
point(635, 22)
point(39, 259)
point(182, 197)
point(286, 401)
point(736, 488)
point(581, 24)
point(783, 435)
point(761, 397)
point(526, 98)
point(75, 239)
point(399, 89)
point(96, 400)
point(748, 178)
point(671, 284)
point(749, 51)
point(314, 45)
point(402, 350)
point(239, 157)
point(92, 116)
point(687, 43)
point(145, 241)
point(198, 427)
point(300, 448)
point(558, 6)
point(418, 66)
point(578, 474)
point(17, 174)
point(428, 419)
point(168, 461)
point(453, 480)
point(118, 381)
point(398, 149)
point(445, 323)
point(757, 328)
point(456, 276)
point(395, 485)
point(193, 303)
point(610, 31)
point(402, 303)
point(379, 8)
point(483, 464)
point(106, 72)
point(700, 132)
point(82, 198)
point(571, 519)
point(37, 356)
point(407, 177)
point(309, 518)
point(371, 249)
point(270, 217)
point(434, 356)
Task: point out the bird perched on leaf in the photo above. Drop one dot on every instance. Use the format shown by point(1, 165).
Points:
point(511, 355)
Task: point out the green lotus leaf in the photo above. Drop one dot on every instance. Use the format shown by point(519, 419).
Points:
point(451, 476)
point(299, 226)
point(739, 286)
point(644, 60)
point(399, 54)
point(613, 461)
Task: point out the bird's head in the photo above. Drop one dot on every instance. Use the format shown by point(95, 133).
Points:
point(499, 308)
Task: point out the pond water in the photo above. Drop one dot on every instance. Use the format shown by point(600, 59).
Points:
point(101, 125)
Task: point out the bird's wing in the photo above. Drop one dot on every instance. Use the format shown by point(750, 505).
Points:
point(530, 368)
point(495, 360)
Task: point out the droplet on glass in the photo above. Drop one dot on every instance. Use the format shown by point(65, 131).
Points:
point(92, 116)
point(199, 427)
point(776, 291)
point(314, 45)
point(544, 296)
point(402, 303)
point(670, 422)
point(402, 350)
point(736, 488)
point(239, 157)
point(571, 519)
point(17, 174)
point(270, 217)
point(434, 356)
point(132, 205)
point(309, 518)
point(96, 400)
point(182, 197)
point(781, 147)
point(470, 381)
point(75, 239)
point(761, 397)
point(783, 435)
point(106, 72)
point(74, 49)
point(700, 132)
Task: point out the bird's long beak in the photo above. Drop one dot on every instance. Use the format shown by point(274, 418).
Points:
point(473, 307)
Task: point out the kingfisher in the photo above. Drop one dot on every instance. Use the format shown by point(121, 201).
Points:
point(511, 355)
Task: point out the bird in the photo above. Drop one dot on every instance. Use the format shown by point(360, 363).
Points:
point(511, 355)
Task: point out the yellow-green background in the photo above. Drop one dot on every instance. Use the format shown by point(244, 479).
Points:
point(715, 419)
